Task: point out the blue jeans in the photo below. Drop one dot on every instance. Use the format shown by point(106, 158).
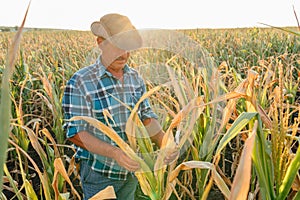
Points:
point(92, 182)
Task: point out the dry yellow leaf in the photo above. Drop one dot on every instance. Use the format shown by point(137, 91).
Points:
point(107, 193)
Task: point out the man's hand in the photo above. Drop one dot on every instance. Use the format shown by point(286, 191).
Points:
point(156, 134)
point(124, 161)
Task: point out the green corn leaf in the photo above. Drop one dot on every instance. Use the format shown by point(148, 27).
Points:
point(5, 96)
point(12, 183)
point(30, 191)
point(297, 196)
point(64, 196)
point(289, 177)
point(284, 29)
point(263, 164)
point(235, 129)
point(28, 187)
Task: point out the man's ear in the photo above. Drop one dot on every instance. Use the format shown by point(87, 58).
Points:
point(99, 40)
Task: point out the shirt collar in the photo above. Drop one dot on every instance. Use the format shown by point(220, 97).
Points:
point(103, 71)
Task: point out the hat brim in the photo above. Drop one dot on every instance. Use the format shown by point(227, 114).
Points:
point(127, 40)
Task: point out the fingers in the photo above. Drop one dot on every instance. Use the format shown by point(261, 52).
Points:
point(124, 161)
point(130, 164)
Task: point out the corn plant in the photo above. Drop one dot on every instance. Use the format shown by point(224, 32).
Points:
point(5, 96)
point(45, 63)
point(276, 168)
point(151, 175)
point(276, 177)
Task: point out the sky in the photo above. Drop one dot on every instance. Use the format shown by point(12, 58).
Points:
point(163, 14)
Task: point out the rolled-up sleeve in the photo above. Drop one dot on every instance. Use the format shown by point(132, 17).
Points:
point(145, 107)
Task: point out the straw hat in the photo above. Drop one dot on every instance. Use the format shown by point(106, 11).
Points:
point(119, 30)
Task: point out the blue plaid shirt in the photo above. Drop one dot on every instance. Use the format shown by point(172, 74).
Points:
point(89, 92)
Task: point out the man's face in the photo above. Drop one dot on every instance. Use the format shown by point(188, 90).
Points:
point(112, 56)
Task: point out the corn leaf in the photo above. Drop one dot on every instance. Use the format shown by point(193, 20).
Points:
point(201, 165)
point(107, 193)
point(13, 183)
point(59, 168)
point(5, 102)
point(147, 189)
point(28, 187)
point(284, 29)
point(134, 124)
point(36, 145)
point(241, 182)
point(297, 196)
point(177, 87)
point(263, 164)
point(235, 129)
point(64, 196)
point(30, 191)
point(49, 136)
point(122, 144)
point(289, 177)
point(43, 177)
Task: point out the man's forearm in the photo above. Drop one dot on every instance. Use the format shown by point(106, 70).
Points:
point(154, 130)
point(89, 142)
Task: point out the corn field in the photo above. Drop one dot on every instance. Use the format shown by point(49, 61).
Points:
point(237, 124)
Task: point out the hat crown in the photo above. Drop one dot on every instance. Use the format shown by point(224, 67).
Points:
point(112, 24)
point(119, 30)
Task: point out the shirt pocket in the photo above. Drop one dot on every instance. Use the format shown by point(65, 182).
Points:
point(98, 103)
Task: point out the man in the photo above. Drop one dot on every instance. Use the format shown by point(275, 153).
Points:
point(100, 88)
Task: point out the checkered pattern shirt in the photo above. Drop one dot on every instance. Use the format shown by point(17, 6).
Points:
point(93, 89)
